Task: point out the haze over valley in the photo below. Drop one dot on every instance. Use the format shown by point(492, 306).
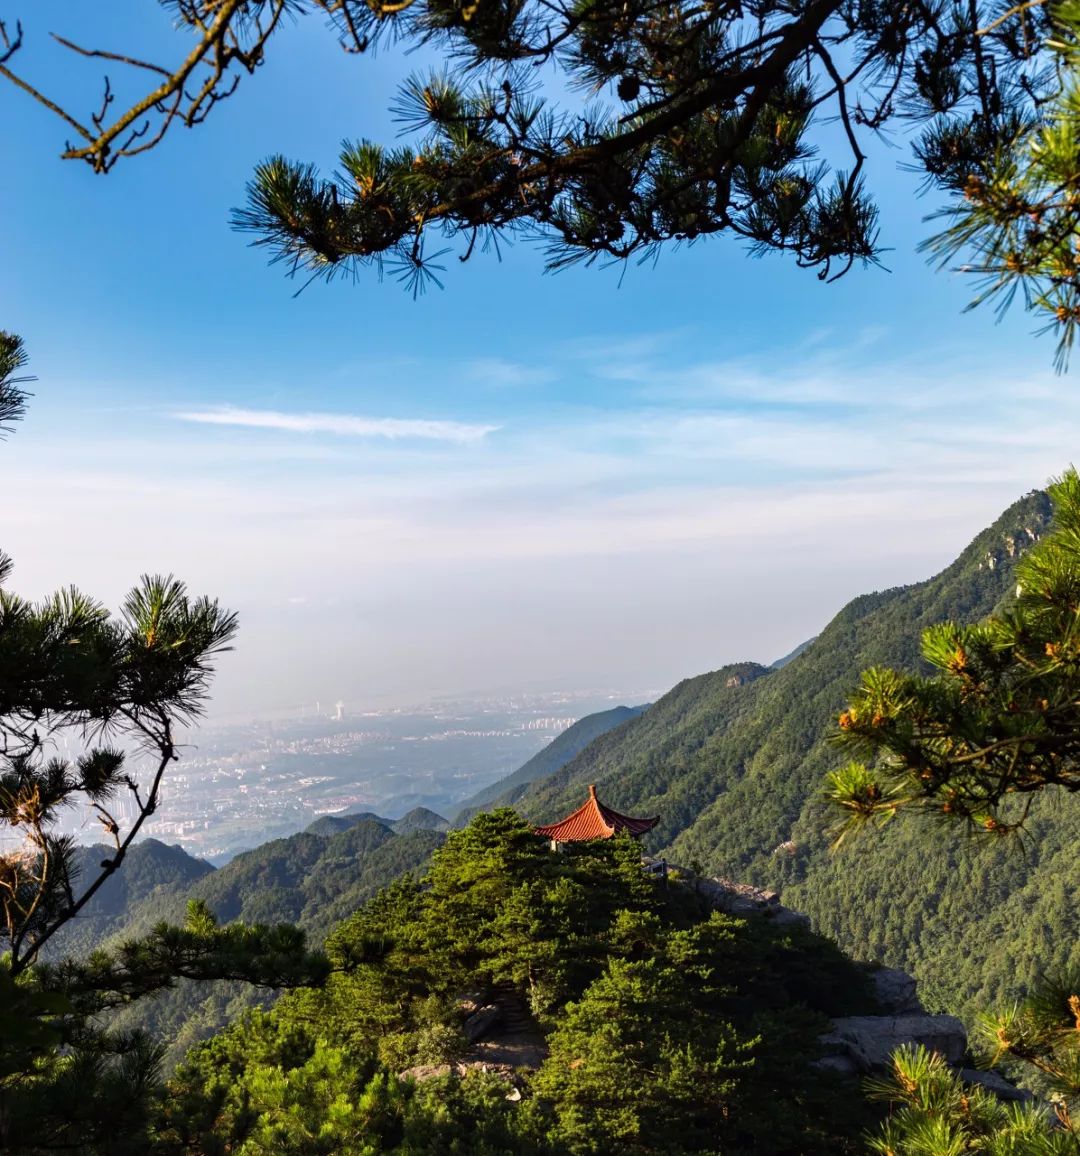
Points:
point(246, 783)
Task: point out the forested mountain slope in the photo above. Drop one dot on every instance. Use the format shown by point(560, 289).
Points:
point(152, 871)
point(793, 654)
point(733, 763)
point(310, 880)
point(555, 755)
point(419, 819)
point(327, 825)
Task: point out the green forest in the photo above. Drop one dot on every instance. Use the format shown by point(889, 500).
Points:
point(663, 1026)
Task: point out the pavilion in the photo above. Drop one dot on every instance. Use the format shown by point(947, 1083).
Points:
point(593, 820)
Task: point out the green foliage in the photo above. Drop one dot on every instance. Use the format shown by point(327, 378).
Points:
point(682, 1044)
point(12, 397)
point(276, 1088)
point(624, 1070)
point(1017, 209)
point(691, 120)
point(497, 908)
point(933, 1113)
point(311, 881)
point(152, 871)
point(419, 819)
point(709, 128)
point(65, 1081)
point(669, 1028)
point(66, 665)
point(998, 722)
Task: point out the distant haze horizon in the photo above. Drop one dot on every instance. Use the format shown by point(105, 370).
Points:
point(601, 698)
point(600, 640)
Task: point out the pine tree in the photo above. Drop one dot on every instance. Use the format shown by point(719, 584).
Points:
point(1016, 224)
point(12, 396)
point(693, 119)
point(999, 720)
point(934, 1113)
point(70, 670)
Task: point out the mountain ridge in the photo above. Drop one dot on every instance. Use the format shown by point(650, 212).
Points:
point(506, 791)
point(735, 772)
point(700, 716)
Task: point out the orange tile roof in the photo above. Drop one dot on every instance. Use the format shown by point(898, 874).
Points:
point(593, 820)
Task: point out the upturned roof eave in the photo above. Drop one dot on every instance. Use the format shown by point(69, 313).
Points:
point(592, 820)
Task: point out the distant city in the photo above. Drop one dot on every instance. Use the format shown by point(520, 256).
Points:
point(240, 785)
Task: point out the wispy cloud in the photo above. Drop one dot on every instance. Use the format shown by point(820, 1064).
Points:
point(498, 372)
point(342, 424)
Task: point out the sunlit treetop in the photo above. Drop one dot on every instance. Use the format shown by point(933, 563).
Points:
point(685, 118)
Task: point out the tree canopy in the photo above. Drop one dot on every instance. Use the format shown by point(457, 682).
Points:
point(610, 128)
point(659, 1025)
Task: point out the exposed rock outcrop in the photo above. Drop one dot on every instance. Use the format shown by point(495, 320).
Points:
point(996, 1083)
point(742, 900)
point(896, 992)
point(482, 1022)
point(867, 1043)
point(861, 1044)
point(858, 1045)
point(502, 1032)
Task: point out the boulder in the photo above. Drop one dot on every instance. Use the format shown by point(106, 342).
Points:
point(433, 1071)
point(843, 1065)
point(472, 1001)
point(896, 992)
point(426, 1072)
point(482, 1022)
point(869, 1041)
point(786, 917)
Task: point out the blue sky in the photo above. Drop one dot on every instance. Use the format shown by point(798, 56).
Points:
point(523, 480)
